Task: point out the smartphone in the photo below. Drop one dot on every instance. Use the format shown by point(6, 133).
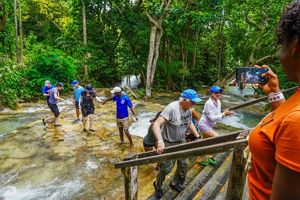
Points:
point(251, 75)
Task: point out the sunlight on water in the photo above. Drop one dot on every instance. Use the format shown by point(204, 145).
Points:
point(51, 191)
point(140, 127)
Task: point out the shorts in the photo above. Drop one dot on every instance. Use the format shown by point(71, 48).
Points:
point(148, 145)
point(123, 123)
point(87, 110)
point(77, 104)
point(204, 127)
point(54, 109)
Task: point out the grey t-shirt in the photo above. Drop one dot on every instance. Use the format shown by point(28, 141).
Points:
point(52, 99)
point(178, 121)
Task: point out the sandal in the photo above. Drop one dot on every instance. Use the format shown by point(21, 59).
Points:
point(211, 161)
point(203, 163)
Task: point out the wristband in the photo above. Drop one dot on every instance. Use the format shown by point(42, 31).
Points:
point(160, 141)
point(273, 97)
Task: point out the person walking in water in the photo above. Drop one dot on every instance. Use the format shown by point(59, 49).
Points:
point(77, 94)
point(170, 129)
point(53, 100)
point(46, 92)
point(212, 113)
point(87, 107)
point(122, 104)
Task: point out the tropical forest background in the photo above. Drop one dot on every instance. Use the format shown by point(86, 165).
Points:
point(172, 44)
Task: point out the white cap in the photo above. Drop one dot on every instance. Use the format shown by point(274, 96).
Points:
point(116, 89)
point(47, 83)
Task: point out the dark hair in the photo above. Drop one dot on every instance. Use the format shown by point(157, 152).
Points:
point(289, 24)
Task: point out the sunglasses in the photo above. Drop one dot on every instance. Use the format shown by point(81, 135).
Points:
point(218, 92)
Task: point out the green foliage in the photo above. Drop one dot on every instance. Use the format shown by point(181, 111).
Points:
point(10, 81)
point(202, 41)
point(51, 65)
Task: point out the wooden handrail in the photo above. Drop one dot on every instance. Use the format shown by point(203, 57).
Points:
point(195, 144)
point(215, 148)
point(260, 99)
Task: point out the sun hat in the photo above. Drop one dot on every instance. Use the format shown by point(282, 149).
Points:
point(116, 89)
point(89, 88)
point(192, 95)
point(216, 89)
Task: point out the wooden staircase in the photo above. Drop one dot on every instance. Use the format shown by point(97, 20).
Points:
point(209, 182)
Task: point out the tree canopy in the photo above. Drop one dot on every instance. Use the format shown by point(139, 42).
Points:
point(202, 42)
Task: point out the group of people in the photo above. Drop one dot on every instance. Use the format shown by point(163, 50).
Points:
point(175, 124)
point(83, 100)
point(274, 171)
point(274, 143)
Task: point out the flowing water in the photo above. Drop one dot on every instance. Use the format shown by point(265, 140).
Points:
point(43, 162)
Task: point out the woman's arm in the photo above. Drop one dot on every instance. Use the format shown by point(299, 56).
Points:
point(109, 99)
point(271, 86)
point(286, 184)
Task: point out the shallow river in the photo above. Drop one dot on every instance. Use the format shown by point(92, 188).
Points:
point(43, 162)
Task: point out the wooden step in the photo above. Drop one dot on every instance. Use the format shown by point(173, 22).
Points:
point(195, 186)
point(198, 174)
point(213, 187)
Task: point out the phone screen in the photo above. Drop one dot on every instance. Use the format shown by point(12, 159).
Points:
point(251, 75)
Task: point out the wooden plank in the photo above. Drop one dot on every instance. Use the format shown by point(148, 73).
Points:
point(198, 143)
point(237, 174)
point(211, 149)
point(202, 178)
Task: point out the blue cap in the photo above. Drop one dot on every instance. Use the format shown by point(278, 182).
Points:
point(192, 95)
point(216, 89)
point(75, 82)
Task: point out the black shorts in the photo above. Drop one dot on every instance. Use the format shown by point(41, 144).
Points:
point(87, 110)
point(54, 109)
point(148, 145)
point(77, 104)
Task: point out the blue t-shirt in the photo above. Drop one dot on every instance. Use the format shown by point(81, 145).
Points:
point(77, 92)
point(45, 90)
point(122, 103)
point(52, 99)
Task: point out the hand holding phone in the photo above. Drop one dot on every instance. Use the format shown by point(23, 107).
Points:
point(272, 84)
point(251, 75)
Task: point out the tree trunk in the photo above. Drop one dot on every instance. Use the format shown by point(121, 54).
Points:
point(195, 49)
point(21, 32)
point(16, 32)
point(220, 45)
point(84, 23)
point(84, 34)
point(155, 36)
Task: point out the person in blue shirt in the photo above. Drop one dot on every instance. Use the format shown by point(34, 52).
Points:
point(77, 93)
point(122, 103)
point(46, 92)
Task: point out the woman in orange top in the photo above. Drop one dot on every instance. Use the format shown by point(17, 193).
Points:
point(275, 142)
